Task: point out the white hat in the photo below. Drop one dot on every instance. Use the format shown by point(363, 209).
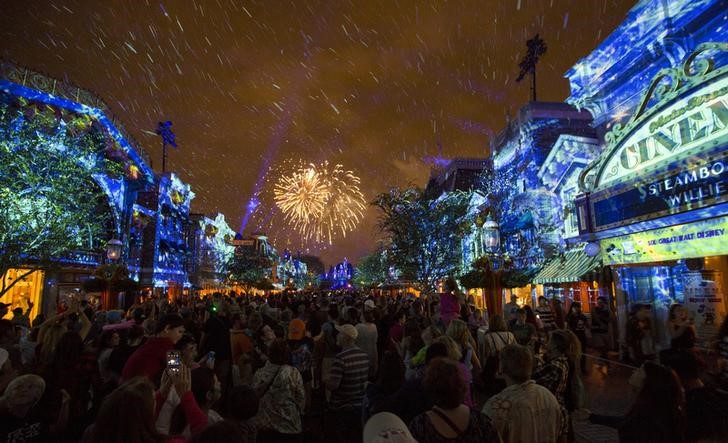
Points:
point(369, 304)
point(348, 330)
point(386, 427)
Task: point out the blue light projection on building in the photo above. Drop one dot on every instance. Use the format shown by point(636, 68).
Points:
point(609, 82)
point(23, 84)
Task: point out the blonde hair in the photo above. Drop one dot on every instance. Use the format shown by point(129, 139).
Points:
point(458, 331)
point(453, 349)
point(51, 336)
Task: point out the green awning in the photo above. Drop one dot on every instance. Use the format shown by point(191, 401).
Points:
point(568, 268)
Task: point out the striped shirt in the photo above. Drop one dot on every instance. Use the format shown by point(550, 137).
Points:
point(349, 372)
point(547, 317)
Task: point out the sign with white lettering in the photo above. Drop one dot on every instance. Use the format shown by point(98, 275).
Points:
point(704, 182)
point(703, 292)
point(694, 121)
point(698, 239)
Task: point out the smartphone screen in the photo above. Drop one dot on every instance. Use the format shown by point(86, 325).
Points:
point(174, 361)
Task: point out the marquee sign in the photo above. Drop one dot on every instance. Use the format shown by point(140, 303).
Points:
point(672, 155)
point(692, 122)
point(699, 239)
point(704, 182)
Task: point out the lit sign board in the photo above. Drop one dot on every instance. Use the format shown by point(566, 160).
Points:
point(699, 239)
point(703, 181)
point(696, 120)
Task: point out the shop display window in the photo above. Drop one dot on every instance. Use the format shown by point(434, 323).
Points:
point(28, 289)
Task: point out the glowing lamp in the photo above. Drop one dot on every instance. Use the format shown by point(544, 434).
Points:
point(491, 234)
point(113, 249)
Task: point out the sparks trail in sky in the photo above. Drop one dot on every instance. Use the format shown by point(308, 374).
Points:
point(322, 202)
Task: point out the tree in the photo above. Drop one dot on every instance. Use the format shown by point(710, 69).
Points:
point(250, 270)
point(50, 206)
point(424, 234)
point(372, 270)
point(536, 48)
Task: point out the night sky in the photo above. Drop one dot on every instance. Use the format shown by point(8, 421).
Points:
point(373, 85)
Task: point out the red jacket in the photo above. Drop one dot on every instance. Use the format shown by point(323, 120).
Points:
point(149, 360)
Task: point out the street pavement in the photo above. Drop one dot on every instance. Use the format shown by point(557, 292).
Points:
point(608, 393)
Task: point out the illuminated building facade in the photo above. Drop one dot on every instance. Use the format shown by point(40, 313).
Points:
point(529, 225)
point(165, 251)
point(571, 275)
point(209, 242)
point(339, 276)
point(292, 271)
point(653, 204)
point(64, 105)
point(457, 174)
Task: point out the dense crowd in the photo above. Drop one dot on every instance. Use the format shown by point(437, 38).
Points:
point(342, 367)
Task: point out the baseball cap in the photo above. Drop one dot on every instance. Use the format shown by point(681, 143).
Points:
point(369, 304)
point(296, 329)
point(348, 330)
point(386, 427)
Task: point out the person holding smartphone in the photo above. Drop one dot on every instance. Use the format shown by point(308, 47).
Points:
point(151, 358)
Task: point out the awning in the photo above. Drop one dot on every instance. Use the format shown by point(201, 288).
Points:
point(568, 268)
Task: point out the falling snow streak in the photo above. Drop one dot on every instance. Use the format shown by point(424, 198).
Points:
point(372, 85)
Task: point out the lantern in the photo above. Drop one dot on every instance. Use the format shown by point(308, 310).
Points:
point(491, 235)
point(113, 249)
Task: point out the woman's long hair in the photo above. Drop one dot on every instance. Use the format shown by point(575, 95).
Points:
point(662, 396)
point(50, 340)
point(458, 330)
point(568, 344)
point(497, 324)
point(530, 316)
point(127, 415)
point(66, 357)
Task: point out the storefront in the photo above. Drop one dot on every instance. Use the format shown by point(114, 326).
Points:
point(655, 201)
point(574, 276)
point(23, 292)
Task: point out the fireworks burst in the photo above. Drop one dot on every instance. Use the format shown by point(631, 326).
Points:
point(320, 201)
point(302, 195)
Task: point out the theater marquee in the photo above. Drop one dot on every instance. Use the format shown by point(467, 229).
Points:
point(671, 157)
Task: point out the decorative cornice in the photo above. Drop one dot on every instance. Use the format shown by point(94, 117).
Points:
point(666, 86)
point(37, 81)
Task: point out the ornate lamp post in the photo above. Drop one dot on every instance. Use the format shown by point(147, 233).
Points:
point(491, 241)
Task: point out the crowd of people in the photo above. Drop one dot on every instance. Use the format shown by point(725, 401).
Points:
point(337, 367)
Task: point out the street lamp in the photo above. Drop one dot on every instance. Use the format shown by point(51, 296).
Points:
point(113, 249)
point(491, 241)
point(491, 235)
